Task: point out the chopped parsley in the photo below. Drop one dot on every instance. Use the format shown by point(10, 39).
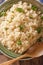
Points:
point(31, 17)
point(3, 13)
point(39, 29)
point(34, 7)
point(19, 42)
point(21, 27)
point(41, 17)
point(19, 10)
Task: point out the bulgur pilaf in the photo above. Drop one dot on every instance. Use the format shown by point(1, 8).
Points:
point(20, 27)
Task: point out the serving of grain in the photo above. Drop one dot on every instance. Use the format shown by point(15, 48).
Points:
point(20, 27)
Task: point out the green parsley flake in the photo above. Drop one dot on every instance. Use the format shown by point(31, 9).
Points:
point(2, 13)
point(19, 10)
point(41, 17)
point(34, 7)
point(31, 17)
point(19, 42)
point(21, 27)
point(39, 29)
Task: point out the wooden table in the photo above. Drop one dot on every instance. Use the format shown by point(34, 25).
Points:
point(3, 58)
point(36, 61)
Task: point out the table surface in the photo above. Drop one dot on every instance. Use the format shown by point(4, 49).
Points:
point(35, 61)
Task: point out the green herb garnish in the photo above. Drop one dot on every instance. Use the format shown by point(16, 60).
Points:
point(21, 27)
point(34, 7)
point(19, 42)
point(3, 13)
point(39, 29)
point(41, 17)
point(19, 10)
point(31, 17)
